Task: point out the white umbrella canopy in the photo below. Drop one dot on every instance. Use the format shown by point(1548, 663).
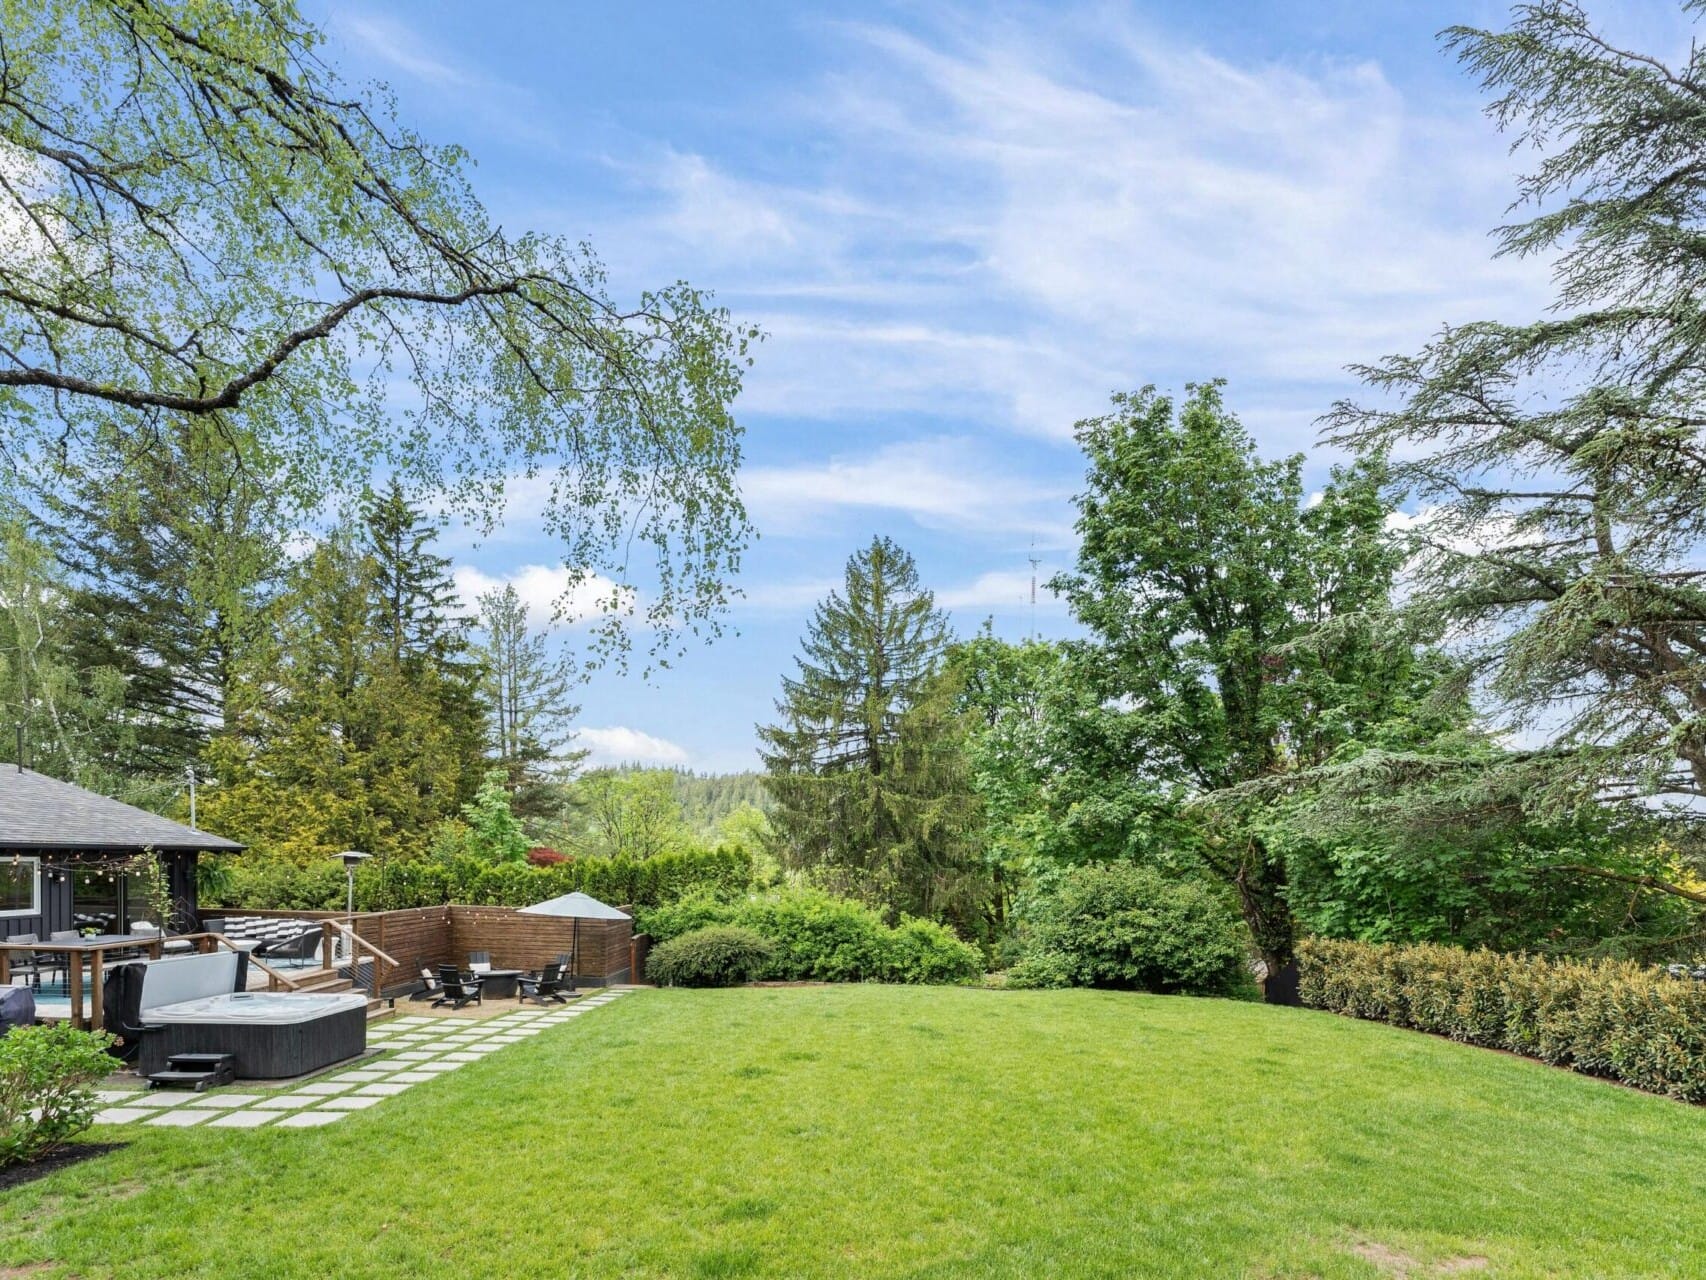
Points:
point(576, 906)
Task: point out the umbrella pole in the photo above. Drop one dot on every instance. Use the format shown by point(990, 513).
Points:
point(574, 950)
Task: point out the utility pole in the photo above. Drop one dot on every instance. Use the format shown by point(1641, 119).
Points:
point(189, 773)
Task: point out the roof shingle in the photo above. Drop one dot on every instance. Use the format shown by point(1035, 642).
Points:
point(39, 812)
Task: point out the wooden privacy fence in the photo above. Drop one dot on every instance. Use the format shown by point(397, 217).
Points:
point(425, 937)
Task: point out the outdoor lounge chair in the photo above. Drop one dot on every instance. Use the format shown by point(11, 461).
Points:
point(479, 962)
point(548, 985)
point(301, 947)
point(459, 988)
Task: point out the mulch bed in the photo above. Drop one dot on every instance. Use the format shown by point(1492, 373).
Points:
point(19, 1174)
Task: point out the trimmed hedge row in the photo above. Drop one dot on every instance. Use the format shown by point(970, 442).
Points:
point(1607, 1018)
point(820, 938)
point(277, 885)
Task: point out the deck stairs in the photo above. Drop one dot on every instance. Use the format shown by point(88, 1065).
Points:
point(196, 1071)
point(327, 981)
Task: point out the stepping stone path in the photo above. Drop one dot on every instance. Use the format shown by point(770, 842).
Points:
point(415, 1050)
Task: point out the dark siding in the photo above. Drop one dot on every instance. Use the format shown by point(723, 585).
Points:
point(56, 901)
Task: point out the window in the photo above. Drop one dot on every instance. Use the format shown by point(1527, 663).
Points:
point(20, 886)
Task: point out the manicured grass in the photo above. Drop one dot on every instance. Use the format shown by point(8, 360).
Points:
point(879, 1131)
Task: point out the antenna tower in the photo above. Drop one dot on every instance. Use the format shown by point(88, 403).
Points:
point(1034, 563)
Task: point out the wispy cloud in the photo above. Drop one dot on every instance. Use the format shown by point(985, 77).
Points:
point(618, 744)
point(1005, 591)
point(941, 483)
point(398, 47)
point(1021, 216)
point(549, 594)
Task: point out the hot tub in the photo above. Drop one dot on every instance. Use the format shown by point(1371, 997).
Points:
point(272, 1033)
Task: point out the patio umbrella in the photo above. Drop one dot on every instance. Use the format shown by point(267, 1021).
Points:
point(575, 906)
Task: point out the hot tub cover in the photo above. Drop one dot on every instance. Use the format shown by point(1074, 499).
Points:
point(265, 1008)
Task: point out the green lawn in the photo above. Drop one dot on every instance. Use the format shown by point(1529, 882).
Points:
point(881, 1131)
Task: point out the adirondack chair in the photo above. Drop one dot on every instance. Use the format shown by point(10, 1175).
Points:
point(548, 985)
point(431, 989)
point(459, 988)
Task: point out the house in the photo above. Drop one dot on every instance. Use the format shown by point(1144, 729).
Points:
point(73, 859)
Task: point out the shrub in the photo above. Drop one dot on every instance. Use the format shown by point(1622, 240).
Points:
point(693, 911)
point(1128, 926)
point(1603, 1017)
point(45, 1093)
point(924, 951)
point(819, 937)
point(822, 938)
point(720, 956)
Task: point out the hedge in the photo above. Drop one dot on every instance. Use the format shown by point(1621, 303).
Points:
point(278, 885)
point(821, 938)
point(1609, 1018)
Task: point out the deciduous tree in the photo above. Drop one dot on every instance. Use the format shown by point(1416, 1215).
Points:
point(201, 219)
point(1228, 616)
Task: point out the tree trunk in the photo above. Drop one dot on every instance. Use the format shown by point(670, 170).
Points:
point(1260, 881)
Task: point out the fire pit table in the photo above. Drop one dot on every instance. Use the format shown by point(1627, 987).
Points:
point(500, 984)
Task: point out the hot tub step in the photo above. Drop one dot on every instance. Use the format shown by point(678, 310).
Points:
point(196, 1071)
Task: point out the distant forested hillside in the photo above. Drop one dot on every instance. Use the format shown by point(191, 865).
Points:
point(707, 798)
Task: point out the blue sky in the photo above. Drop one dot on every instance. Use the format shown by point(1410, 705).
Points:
point(961, 229)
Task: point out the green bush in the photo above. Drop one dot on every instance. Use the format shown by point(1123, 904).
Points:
point(46, 1098)
point(822, 938)
point(1128, 926)
point(1602, 1017)
point(720, 956)
point(924, 951)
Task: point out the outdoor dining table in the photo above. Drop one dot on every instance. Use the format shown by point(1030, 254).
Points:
point(97, 949)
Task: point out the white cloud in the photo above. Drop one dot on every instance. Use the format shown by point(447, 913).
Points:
point(618, 744)
point(395, 44)
point(1007, 590)
point(942, 483)
point(548, 592)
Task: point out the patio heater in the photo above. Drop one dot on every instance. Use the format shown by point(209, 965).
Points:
point(352, 858)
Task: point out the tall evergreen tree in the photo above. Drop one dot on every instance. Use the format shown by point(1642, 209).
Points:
point(171, 552)
point(1562, 463)
point(414, 596)
point(527, 693)
point(333, 742)
point(417, 618)
point(869, 785)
